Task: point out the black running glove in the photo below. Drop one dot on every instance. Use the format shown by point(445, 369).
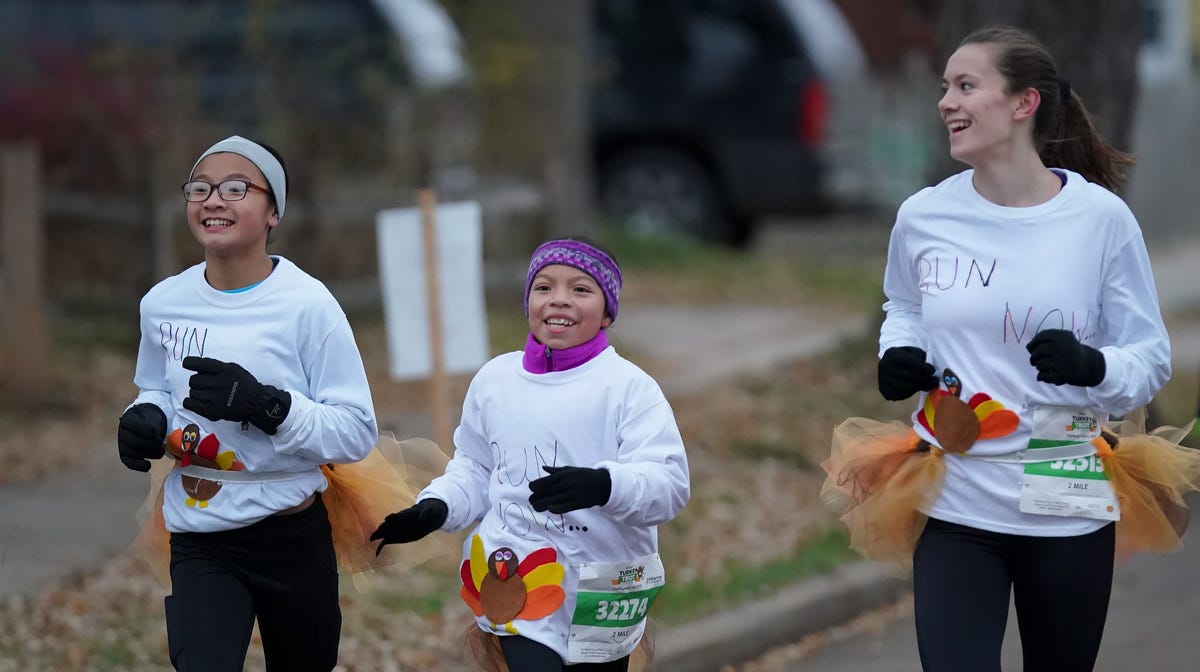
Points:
point(140, 435)
point(1062, 360)
point(570, 488)
point(226, 391)
point(410, 524)
point(903, 372)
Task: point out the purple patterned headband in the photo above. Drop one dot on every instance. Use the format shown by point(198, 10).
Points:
point(585, 257)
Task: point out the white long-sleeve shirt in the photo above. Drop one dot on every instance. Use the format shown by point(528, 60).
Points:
point(288, 331)
point(972, 282)
point(606, 413)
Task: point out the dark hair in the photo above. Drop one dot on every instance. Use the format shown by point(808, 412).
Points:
point(1063, 132)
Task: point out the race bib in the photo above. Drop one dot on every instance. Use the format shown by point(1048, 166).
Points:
point(610, 608)
point(1068, 487)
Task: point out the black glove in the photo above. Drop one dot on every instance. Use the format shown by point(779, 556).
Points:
point(570, 488)
point(140, 435)
point(410, 524)
point(1062, 360)
point(226, 391)
point(903, 372)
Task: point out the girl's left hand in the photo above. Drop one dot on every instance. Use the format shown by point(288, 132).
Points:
point(570, 488)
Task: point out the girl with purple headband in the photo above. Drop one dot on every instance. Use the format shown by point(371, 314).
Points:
point(566, 460)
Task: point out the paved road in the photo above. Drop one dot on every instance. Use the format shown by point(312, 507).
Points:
point(70, 522)
point(1167, 140)
point(1151, 626)
point(725, 341)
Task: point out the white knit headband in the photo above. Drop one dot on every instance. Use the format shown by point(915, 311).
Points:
point(259, 156)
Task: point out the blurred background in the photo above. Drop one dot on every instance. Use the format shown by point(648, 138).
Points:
point(696, 117)
point(744, 159)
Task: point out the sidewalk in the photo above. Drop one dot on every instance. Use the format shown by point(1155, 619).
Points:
point(691, 346)
point(68, 523)
point(1177, 277)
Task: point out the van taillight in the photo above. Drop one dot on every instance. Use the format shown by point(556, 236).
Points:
point(813, 113)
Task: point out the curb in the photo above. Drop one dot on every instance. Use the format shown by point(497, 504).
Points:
point(743, 633)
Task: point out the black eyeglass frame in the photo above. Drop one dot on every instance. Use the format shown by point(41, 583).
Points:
point(217, 188)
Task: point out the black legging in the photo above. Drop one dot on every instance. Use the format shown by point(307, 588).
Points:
point(962, 579)
point(526, 655)
point(281, 571)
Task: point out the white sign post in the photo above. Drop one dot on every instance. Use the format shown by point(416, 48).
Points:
point(431, 276)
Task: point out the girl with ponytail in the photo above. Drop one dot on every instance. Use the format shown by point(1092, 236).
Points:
point(1021, 311)
point(1063, 132)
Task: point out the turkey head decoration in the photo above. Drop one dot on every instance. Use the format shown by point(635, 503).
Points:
point(502, 593)
point(502, 587)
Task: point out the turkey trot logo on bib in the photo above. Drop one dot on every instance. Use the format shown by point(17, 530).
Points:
point(1082, 423)
point(631, 575)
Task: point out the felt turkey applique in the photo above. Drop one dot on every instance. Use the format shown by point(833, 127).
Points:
point(956, 424)
point(503, 588)
point(186, 446)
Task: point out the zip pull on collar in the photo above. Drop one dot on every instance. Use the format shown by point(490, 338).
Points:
point(540, 359)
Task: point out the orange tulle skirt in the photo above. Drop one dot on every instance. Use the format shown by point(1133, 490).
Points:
point(882, 477)
point(1151, 473)
point(359, 496)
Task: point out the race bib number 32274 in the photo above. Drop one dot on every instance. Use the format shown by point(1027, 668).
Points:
point(611, 606)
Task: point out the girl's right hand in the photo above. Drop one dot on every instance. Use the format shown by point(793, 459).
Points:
point(411, 524)
point(903, 372)
point(140, 435)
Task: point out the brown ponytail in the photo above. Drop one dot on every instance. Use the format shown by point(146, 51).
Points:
point(1077, 145)
point(1062, 128)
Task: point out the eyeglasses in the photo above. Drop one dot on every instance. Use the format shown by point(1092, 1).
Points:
point(197, 191)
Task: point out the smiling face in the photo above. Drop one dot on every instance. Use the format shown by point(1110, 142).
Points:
point(566, 307)
point(230, 229)
point(984, 120)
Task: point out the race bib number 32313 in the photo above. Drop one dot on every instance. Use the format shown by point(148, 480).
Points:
point(1071, 486)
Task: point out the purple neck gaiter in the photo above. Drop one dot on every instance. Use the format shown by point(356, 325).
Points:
point(540, 359)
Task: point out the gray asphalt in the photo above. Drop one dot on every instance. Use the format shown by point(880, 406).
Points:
point(68, 523)
point(691, 346)
point(1151, 626)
